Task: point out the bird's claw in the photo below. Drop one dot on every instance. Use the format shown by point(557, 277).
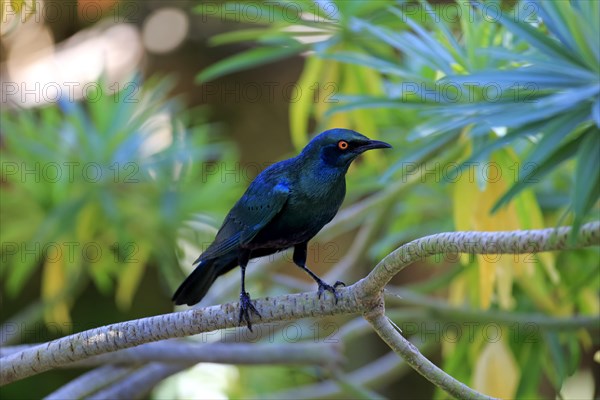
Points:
point(246, 307)
point(324, 286)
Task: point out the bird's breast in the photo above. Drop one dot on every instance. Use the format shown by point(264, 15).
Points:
point(302, 217)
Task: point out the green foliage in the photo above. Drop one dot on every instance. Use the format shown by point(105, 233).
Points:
point(510, 81)
point(547, 82)
point(520, 86)
point(100, 189)
point(540, 68)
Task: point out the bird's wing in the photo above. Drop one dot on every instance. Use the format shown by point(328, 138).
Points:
point(254, 210)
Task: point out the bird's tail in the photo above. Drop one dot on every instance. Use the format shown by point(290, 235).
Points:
point(195, 286)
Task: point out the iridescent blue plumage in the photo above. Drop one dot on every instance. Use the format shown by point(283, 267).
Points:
point(285, 206)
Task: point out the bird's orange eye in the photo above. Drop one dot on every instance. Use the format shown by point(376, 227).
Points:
point(342, 145)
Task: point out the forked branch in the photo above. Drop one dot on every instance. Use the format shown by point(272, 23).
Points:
point(365, 296)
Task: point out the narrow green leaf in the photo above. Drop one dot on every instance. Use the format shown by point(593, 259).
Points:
point(569, 22)
point(555, 130)
point(248, 59)
point(244, 35)
point(23, 264)
point(586, 189)
point(429, 41)
point(539, 40)
point(531, 359)
point(421, 154)
point(562, 154)
point(540, 77)
point(559, 361)
point(521, 112)
point(596, 111)
point(300, 110)
point(376, 63)
point(361, 102)
point(444, 30)
point(405, 42)
point(589, 11)
point(563, 123)
point(436, 126)
point(555, 19)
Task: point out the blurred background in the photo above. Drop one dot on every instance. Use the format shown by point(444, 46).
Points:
point(129, 128)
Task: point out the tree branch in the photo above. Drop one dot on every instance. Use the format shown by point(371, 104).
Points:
point(178, 351)
point(354, 389)
point(90, 382)
point(376, 374)
point(363, 297)
point(138, 383)
point(63, 351)
point(415, 359)
point(506, 242)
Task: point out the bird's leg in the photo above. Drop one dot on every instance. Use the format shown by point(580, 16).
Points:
point(245, 304)
point(300, 260)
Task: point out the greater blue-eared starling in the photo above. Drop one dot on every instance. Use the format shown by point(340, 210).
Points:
point(285, 206)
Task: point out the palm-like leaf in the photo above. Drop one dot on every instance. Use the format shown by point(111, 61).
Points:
point(113, 174)
point(537, 84)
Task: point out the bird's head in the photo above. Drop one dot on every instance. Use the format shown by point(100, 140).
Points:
point(339, 147)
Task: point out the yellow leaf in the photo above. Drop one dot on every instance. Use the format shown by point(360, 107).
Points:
point(372, 82)
point(495, 270)
point(86, 221)
point(54, 280)
point(101, 269)
point(362, 120)
point(496, 371)
point(329, 86)
point(589, 301)
point(456, 294)
point(585, 339)
point(462, 194)
point(131, 276)
point(487, 278)
point(472, 212)
point(300, 110)
point(338, 120)
point(529, 216)
point(458, 288)
point(504, 282)
point(458, 69)
point(539, 296)
point(503, 219)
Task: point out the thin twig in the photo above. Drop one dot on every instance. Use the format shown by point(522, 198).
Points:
point(177, 351)
point(90, 382)
point(364, 296)
point(138, 383)
point(415, 359)
point(376, 374)
point(226, 353)
point(439, 309)
point(354, 389)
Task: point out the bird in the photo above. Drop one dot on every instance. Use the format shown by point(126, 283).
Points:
point(285, 206)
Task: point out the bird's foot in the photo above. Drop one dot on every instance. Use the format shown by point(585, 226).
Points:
point(246, 307)
point(324, 286)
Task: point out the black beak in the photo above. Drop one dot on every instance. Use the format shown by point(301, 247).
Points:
point(374, 144)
